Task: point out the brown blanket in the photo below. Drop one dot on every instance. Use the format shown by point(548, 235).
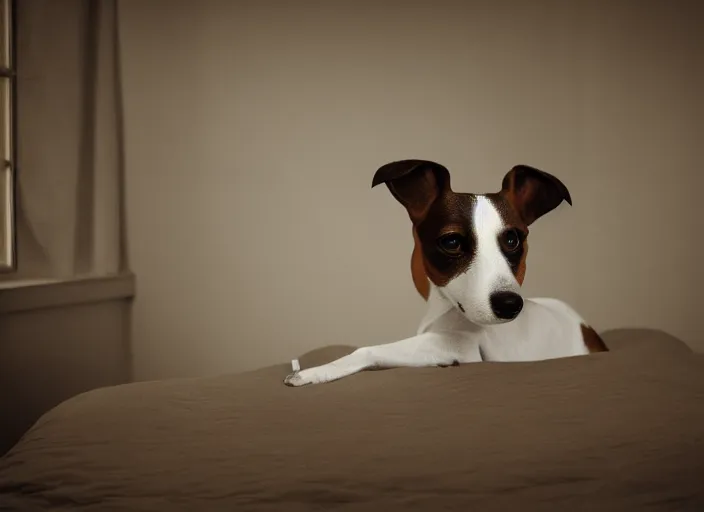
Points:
point(617, 431)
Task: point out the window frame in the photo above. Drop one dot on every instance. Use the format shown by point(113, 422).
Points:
point(8, 161)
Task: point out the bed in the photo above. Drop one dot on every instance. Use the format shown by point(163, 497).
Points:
point(620, 431)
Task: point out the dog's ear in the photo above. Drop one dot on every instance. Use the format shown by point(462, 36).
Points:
point(416, 184)
point(533, 192)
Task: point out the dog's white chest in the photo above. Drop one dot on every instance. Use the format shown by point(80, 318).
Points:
point(545, 329)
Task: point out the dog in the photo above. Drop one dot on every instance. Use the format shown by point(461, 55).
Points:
point(468, 263)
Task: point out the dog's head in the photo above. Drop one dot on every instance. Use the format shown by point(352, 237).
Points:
point(474, 246)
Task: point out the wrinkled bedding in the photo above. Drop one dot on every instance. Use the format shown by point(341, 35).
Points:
point(622, 430)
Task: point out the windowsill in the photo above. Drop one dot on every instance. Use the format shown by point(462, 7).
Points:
point(32, 294)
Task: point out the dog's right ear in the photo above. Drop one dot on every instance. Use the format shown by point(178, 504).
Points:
point(533, 192)
point(416, 184)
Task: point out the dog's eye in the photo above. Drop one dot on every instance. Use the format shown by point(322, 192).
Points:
point(510, 240)
point(451, 243)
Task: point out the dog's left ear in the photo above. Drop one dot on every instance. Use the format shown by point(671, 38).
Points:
point(533, 192)
point(416, 184)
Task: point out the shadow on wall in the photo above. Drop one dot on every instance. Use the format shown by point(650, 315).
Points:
point(51, 354)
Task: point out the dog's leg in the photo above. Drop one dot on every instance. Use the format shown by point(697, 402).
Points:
point(426, 349)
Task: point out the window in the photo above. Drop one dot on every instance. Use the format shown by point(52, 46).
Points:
point(7, 139)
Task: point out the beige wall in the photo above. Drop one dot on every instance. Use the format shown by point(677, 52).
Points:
point(254, 129)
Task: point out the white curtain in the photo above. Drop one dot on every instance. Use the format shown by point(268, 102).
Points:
point(70, 154)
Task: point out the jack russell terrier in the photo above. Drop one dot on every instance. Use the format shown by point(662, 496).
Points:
point(468, 262)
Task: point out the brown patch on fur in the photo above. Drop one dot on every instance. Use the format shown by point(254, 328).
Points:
point(511, 219)
point(521, 272)
point(449, 213)
point(592, 340)
point(518, 198)
point(420, 279)
point(508, 212)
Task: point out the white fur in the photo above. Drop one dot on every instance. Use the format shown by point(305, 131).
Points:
point(545, 328)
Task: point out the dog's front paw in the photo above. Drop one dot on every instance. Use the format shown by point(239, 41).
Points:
point(315, 375)
point(297, 379)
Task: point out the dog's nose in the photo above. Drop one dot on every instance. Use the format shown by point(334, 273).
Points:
point(506, 305)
